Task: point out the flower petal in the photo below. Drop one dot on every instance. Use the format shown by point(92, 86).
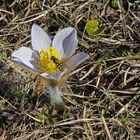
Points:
point(66, 42)
point(77, 59)
point(40, 39)
point(26, 57)
point(56, 77)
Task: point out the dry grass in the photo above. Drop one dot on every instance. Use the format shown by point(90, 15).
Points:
point(102, 96)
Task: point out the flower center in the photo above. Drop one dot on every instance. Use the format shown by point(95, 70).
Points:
point(46, 62)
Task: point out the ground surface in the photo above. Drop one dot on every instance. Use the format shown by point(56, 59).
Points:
point(101, 97)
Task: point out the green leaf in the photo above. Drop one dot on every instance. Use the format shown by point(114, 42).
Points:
point(93, 27)
point(114, 4)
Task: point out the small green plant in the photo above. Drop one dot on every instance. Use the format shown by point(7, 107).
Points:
point(114, 4)
point(93, 27)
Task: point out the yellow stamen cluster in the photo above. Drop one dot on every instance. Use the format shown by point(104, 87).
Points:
point(45, 62)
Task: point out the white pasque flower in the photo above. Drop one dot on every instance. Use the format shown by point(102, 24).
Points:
point(39, 58)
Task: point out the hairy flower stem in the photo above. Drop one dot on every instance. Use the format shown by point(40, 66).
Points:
point(56, 99)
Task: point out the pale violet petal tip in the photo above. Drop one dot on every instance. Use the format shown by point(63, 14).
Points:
point(26, 57)
point(49, 76)
point(66, 41)
point(56, 76)
point(39, 38)
point(77, 59)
